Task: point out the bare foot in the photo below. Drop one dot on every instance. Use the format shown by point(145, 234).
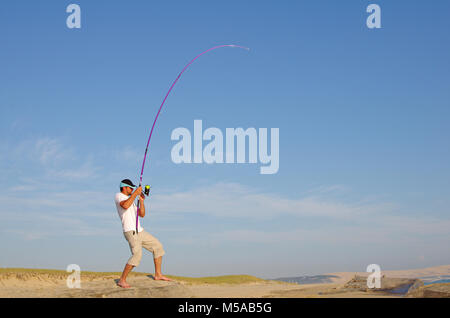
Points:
point(162, 277)
point(123, 284)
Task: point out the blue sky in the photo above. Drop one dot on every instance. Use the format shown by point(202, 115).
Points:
point(363, 117)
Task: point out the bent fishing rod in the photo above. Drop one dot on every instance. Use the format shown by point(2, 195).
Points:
point(147, 188)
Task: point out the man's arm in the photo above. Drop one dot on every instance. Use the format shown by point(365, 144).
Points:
point(141, 206)
point(127, 203)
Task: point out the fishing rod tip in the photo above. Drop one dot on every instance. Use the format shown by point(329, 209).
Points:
point(242, 47)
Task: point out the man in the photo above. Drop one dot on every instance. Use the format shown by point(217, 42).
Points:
point(127, 210)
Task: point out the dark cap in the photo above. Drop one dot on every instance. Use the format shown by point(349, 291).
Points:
point(127, 183)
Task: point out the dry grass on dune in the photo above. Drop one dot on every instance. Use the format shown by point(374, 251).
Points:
point(227, 279)
point(24, 273)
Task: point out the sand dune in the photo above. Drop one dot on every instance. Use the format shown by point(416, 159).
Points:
point(49, 283)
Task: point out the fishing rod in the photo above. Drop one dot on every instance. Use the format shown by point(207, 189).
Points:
point(162, 104)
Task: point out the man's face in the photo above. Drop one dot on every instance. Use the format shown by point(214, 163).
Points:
point(128, 190)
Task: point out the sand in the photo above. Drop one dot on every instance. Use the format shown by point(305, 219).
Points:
point(26, 285)
point(424, 274)
point(51, 284)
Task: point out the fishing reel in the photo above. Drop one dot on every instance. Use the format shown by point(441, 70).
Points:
point(147, 190)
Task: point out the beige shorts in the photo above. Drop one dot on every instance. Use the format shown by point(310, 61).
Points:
point(143, 239)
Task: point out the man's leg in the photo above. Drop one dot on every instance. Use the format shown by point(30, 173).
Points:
point(153, 245)
point(123, 279)
point(136, 251)
point(158, 274)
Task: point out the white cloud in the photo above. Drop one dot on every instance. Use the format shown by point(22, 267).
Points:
point(129, 154)
point(85, 171)
point(357, 222)
point(38, 214)
point(49, 157)
point(46, 151)
point(229, 199)
point(51, 150)
point(407, 232)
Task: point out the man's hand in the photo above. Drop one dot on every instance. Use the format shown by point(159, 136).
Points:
point(142, 197)
point(138, 191)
